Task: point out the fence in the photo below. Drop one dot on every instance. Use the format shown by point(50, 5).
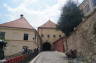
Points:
point(23, 57)
point(17, 59)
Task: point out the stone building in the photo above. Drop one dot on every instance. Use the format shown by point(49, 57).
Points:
point(88, 6)
point(18, 33)
point(82, 39)
point(49, 33)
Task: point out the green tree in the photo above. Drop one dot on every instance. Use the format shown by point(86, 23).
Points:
point(70, 18)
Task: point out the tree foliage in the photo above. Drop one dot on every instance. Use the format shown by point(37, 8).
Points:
point(70, 18)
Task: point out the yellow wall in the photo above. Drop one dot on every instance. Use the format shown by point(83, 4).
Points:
point(15, 39)
point(14, 47)
point(50, 32)
point(17, 34)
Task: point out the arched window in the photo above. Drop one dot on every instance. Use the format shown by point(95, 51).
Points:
point(54, 36)
point(59, 35)
point(33, 38)
point(48, 36)
point(42, 35)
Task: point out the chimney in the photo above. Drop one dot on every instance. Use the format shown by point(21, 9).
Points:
point(21, 15)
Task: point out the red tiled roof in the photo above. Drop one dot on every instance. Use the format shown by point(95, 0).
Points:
point(48, 24)
point(19, 23)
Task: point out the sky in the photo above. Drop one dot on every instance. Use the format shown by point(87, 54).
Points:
point(37, 12)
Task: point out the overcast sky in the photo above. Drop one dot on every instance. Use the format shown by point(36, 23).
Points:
point(37, 12)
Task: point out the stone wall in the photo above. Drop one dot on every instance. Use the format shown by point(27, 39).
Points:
point(84, 37)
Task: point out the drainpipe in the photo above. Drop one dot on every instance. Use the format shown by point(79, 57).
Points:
point(66, 44)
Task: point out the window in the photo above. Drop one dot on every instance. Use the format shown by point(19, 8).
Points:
point(94, 2)
point(34, 38)
point(54, 36)
point(42, 35)
point(48, 36)
point(59, 35)
point(25, 36)
point(2, 35)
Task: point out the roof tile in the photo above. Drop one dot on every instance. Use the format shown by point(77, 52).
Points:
point(48, 24)
point(19, 23)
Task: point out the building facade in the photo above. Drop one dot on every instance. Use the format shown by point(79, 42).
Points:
point(49, 33)
point(18, 33)
point(88, 6)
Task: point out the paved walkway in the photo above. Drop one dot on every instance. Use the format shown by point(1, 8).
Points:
point(53, 57)
point(50, 57)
